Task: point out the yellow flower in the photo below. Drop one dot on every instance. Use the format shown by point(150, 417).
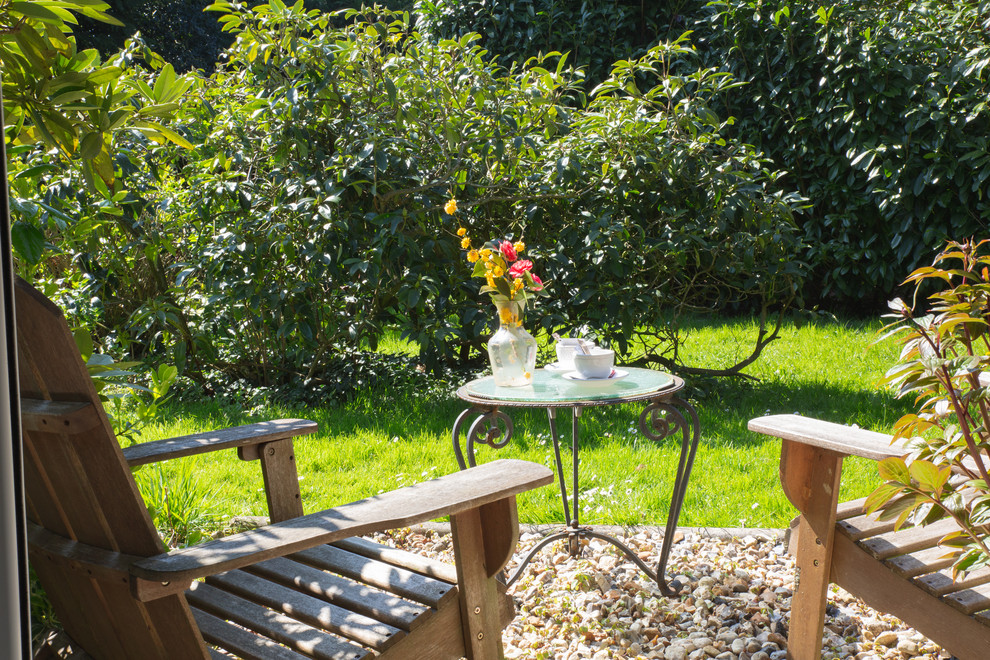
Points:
point(489, 265)
point(486, 254)
point(491, 280)
point(472, 256)
point(465, 243)
point(497, 271)
point(518, 284)
point(461, 231)
point(519, 247)
point(451, 207)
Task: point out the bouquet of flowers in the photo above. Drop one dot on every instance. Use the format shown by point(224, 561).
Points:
point(511, 282)
point(507, 277)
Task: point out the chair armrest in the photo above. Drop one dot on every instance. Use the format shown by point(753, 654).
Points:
point(846, 440)
point(200, 443)
point(447, 495)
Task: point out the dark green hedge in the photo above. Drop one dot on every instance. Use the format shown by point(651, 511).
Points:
point(879, 114)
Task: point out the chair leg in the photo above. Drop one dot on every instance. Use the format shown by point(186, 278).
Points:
point(804, 637)
point(479, 593)
point(810, 476)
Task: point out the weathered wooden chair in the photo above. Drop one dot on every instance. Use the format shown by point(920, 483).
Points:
point(903, 573)
point(300, 587)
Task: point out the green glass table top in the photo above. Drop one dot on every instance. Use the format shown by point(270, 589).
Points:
point(550, 388)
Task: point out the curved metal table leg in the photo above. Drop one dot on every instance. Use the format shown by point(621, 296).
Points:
point(573, 535)
point(657, 428)
point(485, 430)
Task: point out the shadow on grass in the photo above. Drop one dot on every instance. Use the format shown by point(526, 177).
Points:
point(724, 408)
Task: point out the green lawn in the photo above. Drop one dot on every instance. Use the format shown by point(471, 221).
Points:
point(384, 439)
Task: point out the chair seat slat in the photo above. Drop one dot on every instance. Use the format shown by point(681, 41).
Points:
point(849, 509)
point(408, 560)
point(904, 541)
point(940, 583)
point(970, 600)
point(348, 594)
point(401, 582)
point(862, 527)
point(297, 635)
point(239, 641)
point(921, 562)
point(313, 611)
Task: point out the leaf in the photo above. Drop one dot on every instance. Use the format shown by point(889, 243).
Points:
point(583, 296)
point(881, 496)
point(899, 509)
point(163, 84)
point(894, 469)
point(90, 145)
point(34, 10)
point(84, 342)
point(156, 131)
point(926, 474)
point(28, 241)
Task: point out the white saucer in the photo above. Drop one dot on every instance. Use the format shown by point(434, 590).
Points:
point(573, 375)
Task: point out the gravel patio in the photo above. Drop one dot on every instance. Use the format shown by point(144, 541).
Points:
point(735, 605)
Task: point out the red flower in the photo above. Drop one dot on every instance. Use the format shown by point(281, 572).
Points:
point(517, 269)
point(508, 251)
point(537, 281)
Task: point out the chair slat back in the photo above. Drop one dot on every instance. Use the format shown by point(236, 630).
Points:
point(79, 486)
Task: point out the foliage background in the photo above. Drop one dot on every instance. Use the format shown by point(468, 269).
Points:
point(262, 250)
point(877, 111)
point(296, 213)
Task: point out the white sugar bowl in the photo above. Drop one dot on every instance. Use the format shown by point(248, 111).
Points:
point(566, 348)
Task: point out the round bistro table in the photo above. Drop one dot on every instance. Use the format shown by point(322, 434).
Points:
point(664, 415)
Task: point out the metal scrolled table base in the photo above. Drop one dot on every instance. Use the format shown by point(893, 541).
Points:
point(661, 418)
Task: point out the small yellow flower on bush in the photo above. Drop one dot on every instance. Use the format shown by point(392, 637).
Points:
point(472, 256)
point(519, 247)
point(461, 231)
point(465, 243)
point(451, 207)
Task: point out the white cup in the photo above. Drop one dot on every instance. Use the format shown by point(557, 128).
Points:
point(566, 348)
point(597, 363)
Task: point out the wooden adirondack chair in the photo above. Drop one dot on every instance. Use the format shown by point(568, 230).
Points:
point(901, 572)
point(300, 587)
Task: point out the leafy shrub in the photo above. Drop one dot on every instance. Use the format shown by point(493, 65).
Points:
point(176, 29)
point(945, 356)
point(308, 217)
